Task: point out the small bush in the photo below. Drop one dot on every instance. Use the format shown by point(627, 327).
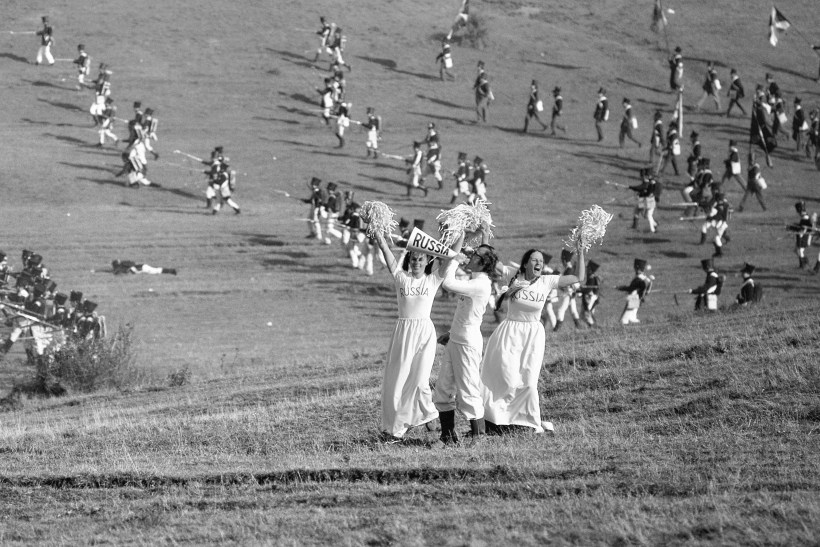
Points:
point(475, 35)
point(179, 377)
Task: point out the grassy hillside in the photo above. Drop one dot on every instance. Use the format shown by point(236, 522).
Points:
point(703, 431)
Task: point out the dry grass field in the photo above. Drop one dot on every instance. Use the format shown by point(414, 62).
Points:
point(686, 430)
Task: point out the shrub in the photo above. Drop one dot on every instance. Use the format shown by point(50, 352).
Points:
point(179, 377)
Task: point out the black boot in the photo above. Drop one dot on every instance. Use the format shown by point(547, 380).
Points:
point(577, 322)
point(718, 251)
point(449, 437)
point(557, 325)
point(803, 262)
point(477, 432)
point(171, 271)
point(208, 203)
point(634, 223)
point(816, 269)
point(702, 238)
point(4, 349)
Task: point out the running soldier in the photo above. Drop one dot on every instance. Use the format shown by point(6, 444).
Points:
point(590, 293)
point(462, 176)
point(717, 217)
point(434, 154)
point(645, 207)
point(324, 37)
point(149, 127)
point(317, 200)
point(326, 101)
point(373, 126)
point(732, 166)
point(601, 113)
point(707, 294)
point(656, 142)
point(672, 150)
point(799, 125)
point(225, 183)
point(805, 229)
point(628, 123)
point(711, 87)
point(342, 122)
point(135, 124)
point(46, 35)
point(333, 207)
point(755, 184)
point(445, 62)
point(694, 156)
point(107, 123)
point(415, 180)
point(83, 62)
point(735, 93)
point(338, 47)
point(461, 19)
point(566, 295)
point(813, 135)
point(102, 90)
point(636, 292)
point(557, 110)
point(534, 106)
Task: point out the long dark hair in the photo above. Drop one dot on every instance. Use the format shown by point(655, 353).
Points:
point(521, 271)
point(405, 264)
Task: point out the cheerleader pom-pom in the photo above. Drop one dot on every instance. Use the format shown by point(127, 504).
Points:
point(590, 230)
point(465, 218)
point(379, 218)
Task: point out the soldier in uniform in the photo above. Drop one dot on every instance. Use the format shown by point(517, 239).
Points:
point(656, 142)
point(711, 86)
point(46, 35)
point(628, 122)
point(799, 125)
point(225, 183)
point(814, 134)
point(732, 166)
point(534, 106)
point(717, 217)
point(636, 292)
point(107, 122)
point(478, 184)
point(707, 294)
point(102, 90)
point(342, 122)
point(445, 62)
point(415, 179)
point(590, 293)
point(805, 230)
point(120, 267)
point(462, 176)
point(333, 207)
point(317, 200)
point(672, 150)
point(461, 19)
point(566, 295)
point(755, 184)
point(646, 200)
point(83, 62)
point(373, 126)
point(694, 155)
point(433, 158)
point(483, 96)
point(735, 93)
point(676, 70)
point(557, 110)
point(750, 292)
point(601, 113)
point(327, 100)
point(324, 37)
point(149, 126)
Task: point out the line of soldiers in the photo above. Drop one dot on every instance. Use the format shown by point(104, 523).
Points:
point(39, 314)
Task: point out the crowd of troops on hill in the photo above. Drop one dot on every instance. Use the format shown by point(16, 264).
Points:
point(703, 197)
point(38, 314)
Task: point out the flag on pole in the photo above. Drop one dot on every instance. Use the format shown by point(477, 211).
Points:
point(658, 17)
point(777, 22)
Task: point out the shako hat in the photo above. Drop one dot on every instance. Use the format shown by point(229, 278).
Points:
point(707, 264)
point(592, 267)
point(748, 269)
point(639, 264)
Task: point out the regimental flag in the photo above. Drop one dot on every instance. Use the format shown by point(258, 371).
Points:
point(777, 22)
point(658, 17)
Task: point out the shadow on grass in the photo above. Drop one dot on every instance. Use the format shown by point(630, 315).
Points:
point(298, 60)
point(276, 120)
point(83, 166)
point(446, 118)
point(642, 86)
point(444, 103)
point(390, 65)
point(14, 57)
point(154, 187)
point(789, 72)
point(65, 106)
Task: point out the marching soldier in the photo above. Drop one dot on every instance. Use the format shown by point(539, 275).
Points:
point(462, 176)
point(590, 293)
point(434, 154)
point(735, 93)
point(483, 96)
point(636, 292)
point(779, 119)
point(601, 113)
point(534, 106)
point(566, 295)
point(710, 87)
point(707, 294)
point(676, 70)
point(445, 62)
point(342, 122)
point(225, 182)
point(46, 35)
point(478, 184)
point(83, 62)
point(415, 180)
point(694, 156)
point(324, 36)
point(732, 165)
point(717, 218)
point(373, 126)
point(107, 123)
point(672, 150)
point(646, 200)
point(805, 230)
point(656, 143)
point(755, 184)
point(628, 123)
point(799, 125)
point(149, 126)
point(750, 292)
point(317, 200)
point(333, 207)
point(557, 110)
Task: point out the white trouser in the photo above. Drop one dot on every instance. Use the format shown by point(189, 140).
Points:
point(45, 51)
point(719, 226)
point(435, 169)
point(415, 175)
point(105, 131)
point(567, 301)
point(146, 269)
point(331, 225)
point(135, 177)
point(372, 140)
point(629, 316)
point(459, 381)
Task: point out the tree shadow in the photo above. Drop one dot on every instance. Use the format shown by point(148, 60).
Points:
point(65, 106)
point(14, 57)
point(390, 65)
point(444, 103)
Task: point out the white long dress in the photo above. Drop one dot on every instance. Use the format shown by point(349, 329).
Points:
point(407, 399)
point(513, 358)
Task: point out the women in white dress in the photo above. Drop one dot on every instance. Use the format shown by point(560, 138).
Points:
point(515, 352)
point(407, 400)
